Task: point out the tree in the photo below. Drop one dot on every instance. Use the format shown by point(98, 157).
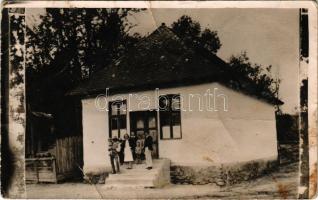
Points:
point(190, 32)
point(242, 74)
point(210, 40)
point(70, 45)
point(66, 48)
point(91, 37)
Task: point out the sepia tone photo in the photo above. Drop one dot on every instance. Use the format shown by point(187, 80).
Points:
point(158, 102)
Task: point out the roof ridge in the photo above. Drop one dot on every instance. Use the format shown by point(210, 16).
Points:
point(158, 29)
point(145, 38)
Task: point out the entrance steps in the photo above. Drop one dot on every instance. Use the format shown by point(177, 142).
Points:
point(140, 177)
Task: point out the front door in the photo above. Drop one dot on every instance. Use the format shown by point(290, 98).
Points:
point(145, 121)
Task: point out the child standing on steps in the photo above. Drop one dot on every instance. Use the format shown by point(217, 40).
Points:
point(139, 149)
point(113, 149)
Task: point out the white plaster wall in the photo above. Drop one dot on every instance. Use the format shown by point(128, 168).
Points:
point(246, 131)
point(95, 134)
point(252, 125)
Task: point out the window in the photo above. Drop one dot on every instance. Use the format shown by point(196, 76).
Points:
point(117, 119)
point(170, 116)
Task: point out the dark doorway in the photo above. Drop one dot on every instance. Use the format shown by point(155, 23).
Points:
point(145, 121)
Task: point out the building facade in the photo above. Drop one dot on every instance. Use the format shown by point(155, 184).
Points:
point(191, 133)
point(183, 97)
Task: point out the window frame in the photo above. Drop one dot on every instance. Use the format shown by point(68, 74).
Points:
point(170, 112)
point(118, 116)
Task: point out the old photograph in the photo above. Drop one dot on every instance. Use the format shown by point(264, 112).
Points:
point(116, 101)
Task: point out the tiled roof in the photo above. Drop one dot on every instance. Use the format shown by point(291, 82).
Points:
point(158, 61)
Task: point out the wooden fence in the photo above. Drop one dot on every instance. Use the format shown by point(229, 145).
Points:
point(69, 155)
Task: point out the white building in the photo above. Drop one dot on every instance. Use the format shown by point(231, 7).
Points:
point(205, 123)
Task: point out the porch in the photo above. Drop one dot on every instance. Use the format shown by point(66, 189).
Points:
point(140, 177)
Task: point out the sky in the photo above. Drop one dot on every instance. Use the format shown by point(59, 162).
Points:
point(269, 36)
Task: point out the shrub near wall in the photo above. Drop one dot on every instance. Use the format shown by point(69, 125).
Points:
point(221, 175)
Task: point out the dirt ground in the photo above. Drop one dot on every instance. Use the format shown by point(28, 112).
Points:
point(280, 184)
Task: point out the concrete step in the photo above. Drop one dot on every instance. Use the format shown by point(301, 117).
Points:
point(133, 176)
point(146, 182)
point(138, 171)
point(134, 186)
point(139, 177)
point(131, 180)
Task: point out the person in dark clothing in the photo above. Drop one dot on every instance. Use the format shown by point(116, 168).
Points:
point(148, 150)
point(132, 143)
point(113, 148)
point(121, 152)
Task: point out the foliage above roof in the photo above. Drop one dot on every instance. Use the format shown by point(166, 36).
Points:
point(158, 61)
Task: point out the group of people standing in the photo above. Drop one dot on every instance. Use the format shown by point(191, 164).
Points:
point(130, 149)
